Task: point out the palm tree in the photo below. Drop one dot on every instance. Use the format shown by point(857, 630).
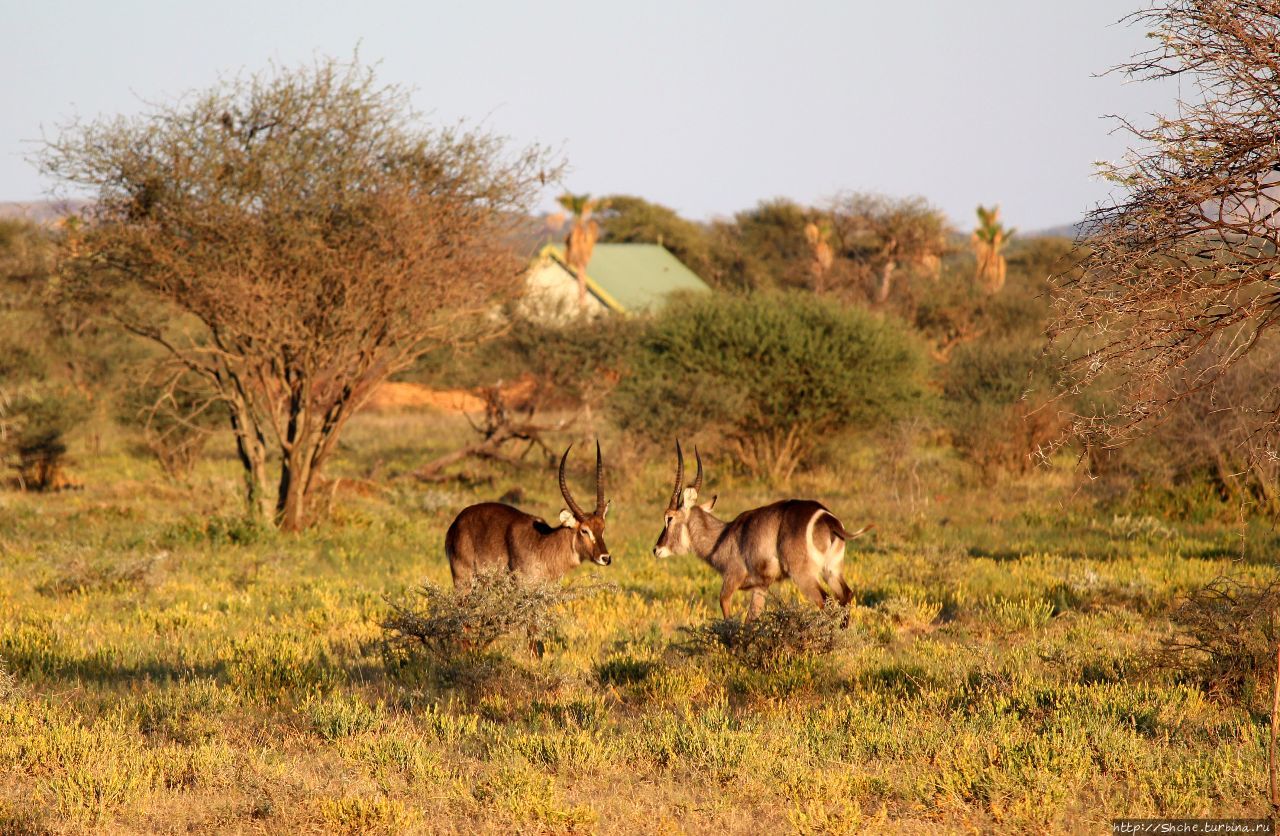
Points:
point(581, 240)
point(989, 239)
point(818, 235)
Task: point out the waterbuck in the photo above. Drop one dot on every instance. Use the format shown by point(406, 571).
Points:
point(795, 538)
point(493, 536)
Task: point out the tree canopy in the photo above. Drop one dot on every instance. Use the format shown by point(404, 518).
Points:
point(292, 239)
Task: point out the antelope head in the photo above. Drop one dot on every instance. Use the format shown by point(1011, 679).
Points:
point(588, 538)
point(675, 538)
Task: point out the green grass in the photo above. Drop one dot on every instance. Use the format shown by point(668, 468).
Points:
point(177, 670)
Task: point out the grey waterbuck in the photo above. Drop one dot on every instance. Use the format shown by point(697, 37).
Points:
point(493, 536)
point(795, 538)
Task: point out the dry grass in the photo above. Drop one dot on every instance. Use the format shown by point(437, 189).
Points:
point(992, 678)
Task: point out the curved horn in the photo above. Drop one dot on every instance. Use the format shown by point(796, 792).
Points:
point(675, 495)
point(697, 480)
point(599, 481)
point(564, 488)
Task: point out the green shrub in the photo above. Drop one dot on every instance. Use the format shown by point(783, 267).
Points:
point(581, 360)
point(334, 717)
point(994, 403)
point(574, 363)
point(775, 374)
point(34, 421)
point(216, 530)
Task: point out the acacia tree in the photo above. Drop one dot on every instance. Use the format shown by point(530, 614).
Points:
point(769, 245)
point(1179, 276)
point(630, 219)
point(292, 239)
point(878, 235)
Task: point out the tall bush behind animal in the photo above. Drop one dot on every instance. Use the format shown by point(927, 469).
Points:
point(995, 394)
point(772, 374)
point(582, 360)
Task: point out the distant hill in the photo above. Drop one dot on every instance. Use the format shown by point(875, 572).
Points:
point(40, 211)
point(1071, 231)
point(528, 237)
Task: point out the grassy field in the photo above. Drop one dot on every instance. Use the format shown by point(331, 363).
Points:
point(174, 670)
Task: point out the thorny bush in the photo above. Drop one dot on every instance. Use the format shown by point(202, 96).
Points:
point(447, 623)
point(782, 632)
point(1226, 641)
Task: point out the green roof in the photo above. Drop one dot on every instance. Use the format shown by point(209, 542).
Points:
point(636, 277)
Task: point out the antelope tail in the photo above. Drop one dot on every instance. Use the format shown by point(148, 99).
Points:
point(837, 528)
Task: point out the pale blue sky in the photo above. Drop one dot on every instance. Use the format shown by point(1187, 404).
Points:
point(704, 106)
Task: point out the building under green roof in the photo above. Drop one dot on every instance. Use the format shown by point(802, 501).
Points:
point(630, 278)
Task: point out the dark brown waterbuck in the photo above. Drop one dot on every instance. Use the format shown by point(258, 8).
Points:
point(795, 538)
point(492, 536)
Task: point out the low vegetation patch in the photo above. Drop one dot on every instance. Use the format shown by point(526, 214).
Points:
point(81, 575)
point(8, 682)
point(780, 633)
point(446, 623)
point(337, 717)
point(445, 639)
point(1226, 639)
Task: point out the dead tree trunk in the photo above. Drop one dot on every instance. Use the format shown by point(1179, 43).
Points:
point(497, 429)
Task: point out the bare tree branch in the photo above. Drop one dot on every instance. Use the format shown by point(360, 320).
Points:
point(1180, 278)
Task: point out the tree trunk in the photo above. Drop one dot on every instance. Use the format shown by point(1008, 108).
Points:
point(296, 454)
point(251, 449)
point(578, 246)
point(308, 448)
point(991, 267)
point(291, 499)
point(1275, 732)
point(885, 284)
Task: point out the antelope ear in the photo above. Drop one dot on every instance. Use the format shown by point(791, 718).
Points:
point(607, 506)
point(689, 498)
point(567, 518)
point(709, 504)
